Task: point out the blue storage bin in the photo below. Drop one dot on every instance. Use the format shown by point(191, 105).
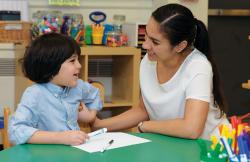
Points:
point(1, 122)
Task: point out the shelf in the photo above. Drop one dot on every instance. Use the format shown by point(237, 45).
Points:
point(136, 34)
point(108, 51)
point(124, 72)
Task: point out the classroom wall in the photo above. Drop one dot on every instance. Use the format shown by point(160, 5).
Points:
point(135, 10)
point(198, 7)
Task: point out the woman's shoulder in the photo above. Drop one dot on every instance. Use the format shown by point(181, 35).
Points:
point(198, 63)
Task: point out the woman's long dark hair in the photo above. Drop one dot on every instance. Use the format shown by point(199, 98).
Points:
point(178, 23)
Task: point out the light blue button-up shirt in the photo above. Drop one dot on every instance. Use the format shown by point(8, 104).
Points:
point(49, 107)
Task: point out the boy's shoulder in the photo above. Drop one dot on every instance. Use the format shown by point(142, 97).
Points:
point(34, 89)
point(81, 83)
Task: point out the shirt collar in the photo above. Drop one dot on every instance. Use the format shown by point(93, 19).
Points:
point(56, 90)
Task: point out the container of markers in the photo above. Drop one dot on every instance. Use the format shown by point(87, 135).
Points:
point(97, 38)
point(97, 33)
point(73, 26)
point(113, 39)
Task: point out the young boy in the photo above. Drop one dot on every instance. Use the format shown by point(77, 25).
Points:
point(48, 110)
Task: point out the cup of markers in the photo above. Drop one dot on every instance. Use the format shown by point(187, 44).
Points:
point(97, 33)
point(234, 140)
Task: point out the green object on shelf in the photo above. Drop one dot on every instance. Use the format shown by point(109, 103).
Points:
point(88, 35)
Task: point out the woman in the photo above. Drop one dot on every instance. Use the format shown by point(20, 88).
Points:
point(180, 89)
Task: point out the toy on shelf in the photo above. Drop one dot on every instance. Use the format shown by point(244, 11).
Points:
point(97, 28)
point(46, 22)
point(97, 33)
point(118, 21)
point(107, 28)
point(116, 39)
point(73, 26)
point(54, 21)
point(88, 35)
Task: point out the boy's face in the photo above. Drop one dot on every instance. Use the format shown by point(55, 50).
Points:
point(68, 73)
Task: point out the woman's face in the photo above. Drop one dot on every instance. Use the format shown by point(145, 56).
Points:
point(157, 46)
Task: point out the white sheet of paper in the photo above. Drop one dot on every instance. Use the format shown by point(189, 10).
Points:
point(97, 143)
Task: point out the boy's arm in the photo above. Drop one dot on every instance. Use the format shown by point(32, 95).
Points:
point(86, 115)
point(67, 137)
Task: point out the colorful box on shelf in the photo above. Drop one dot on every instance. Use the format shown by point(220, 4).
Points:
point(15, 32)
point(1, 122)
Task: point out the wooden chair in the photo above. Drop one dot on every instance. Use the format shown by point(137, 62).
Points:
point(101, 89)
point(5, 137)
point(85, 126)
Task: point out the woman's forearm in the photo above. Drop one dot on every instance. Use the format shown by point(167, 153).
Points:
point(174, 127)
point(125, 120)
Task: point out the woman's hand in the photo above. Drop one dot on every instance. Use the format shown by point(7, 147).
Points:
point(73, 137)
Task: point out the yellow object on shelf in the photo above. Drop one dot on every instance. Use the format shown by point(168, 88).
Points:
point(246, 85)
point(97, 33)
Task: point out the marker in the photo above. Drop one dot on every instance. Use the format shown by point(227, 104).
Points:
point(107, 146)
point(243, 151)
point(97, 132)
point(232, 156)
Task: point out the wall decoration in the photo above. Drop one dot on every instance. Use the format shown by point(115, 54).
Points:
point(64, 2)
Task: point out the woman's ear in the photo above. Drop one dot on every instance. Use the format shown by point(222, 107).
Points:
point(181, 46)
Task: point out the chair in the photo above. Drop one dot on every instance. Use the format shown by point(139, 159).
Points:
point(85, 126)
point(5, 137)
point(101, 89)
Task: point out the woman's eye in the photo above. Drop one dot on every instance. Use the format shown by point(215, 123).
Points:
point(155, 43)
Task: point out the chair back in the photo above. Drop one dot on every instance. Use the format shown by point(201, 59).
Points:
point(5, 137)
point(101, 89)
point(85, 126)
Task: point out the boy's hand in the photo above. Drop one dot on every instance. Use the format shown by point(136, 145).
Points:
point(73, 137)
point(82, 107)
point(85, 115)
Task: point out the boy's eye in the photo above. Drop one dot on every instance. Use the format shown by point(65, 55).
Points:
point(72, 60)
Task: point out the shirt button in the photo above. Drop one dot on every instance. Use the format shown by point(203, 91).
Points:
point(56, 95)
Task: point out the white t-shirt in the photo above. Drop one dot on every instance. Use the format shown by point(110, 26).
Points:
point(192, 80)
